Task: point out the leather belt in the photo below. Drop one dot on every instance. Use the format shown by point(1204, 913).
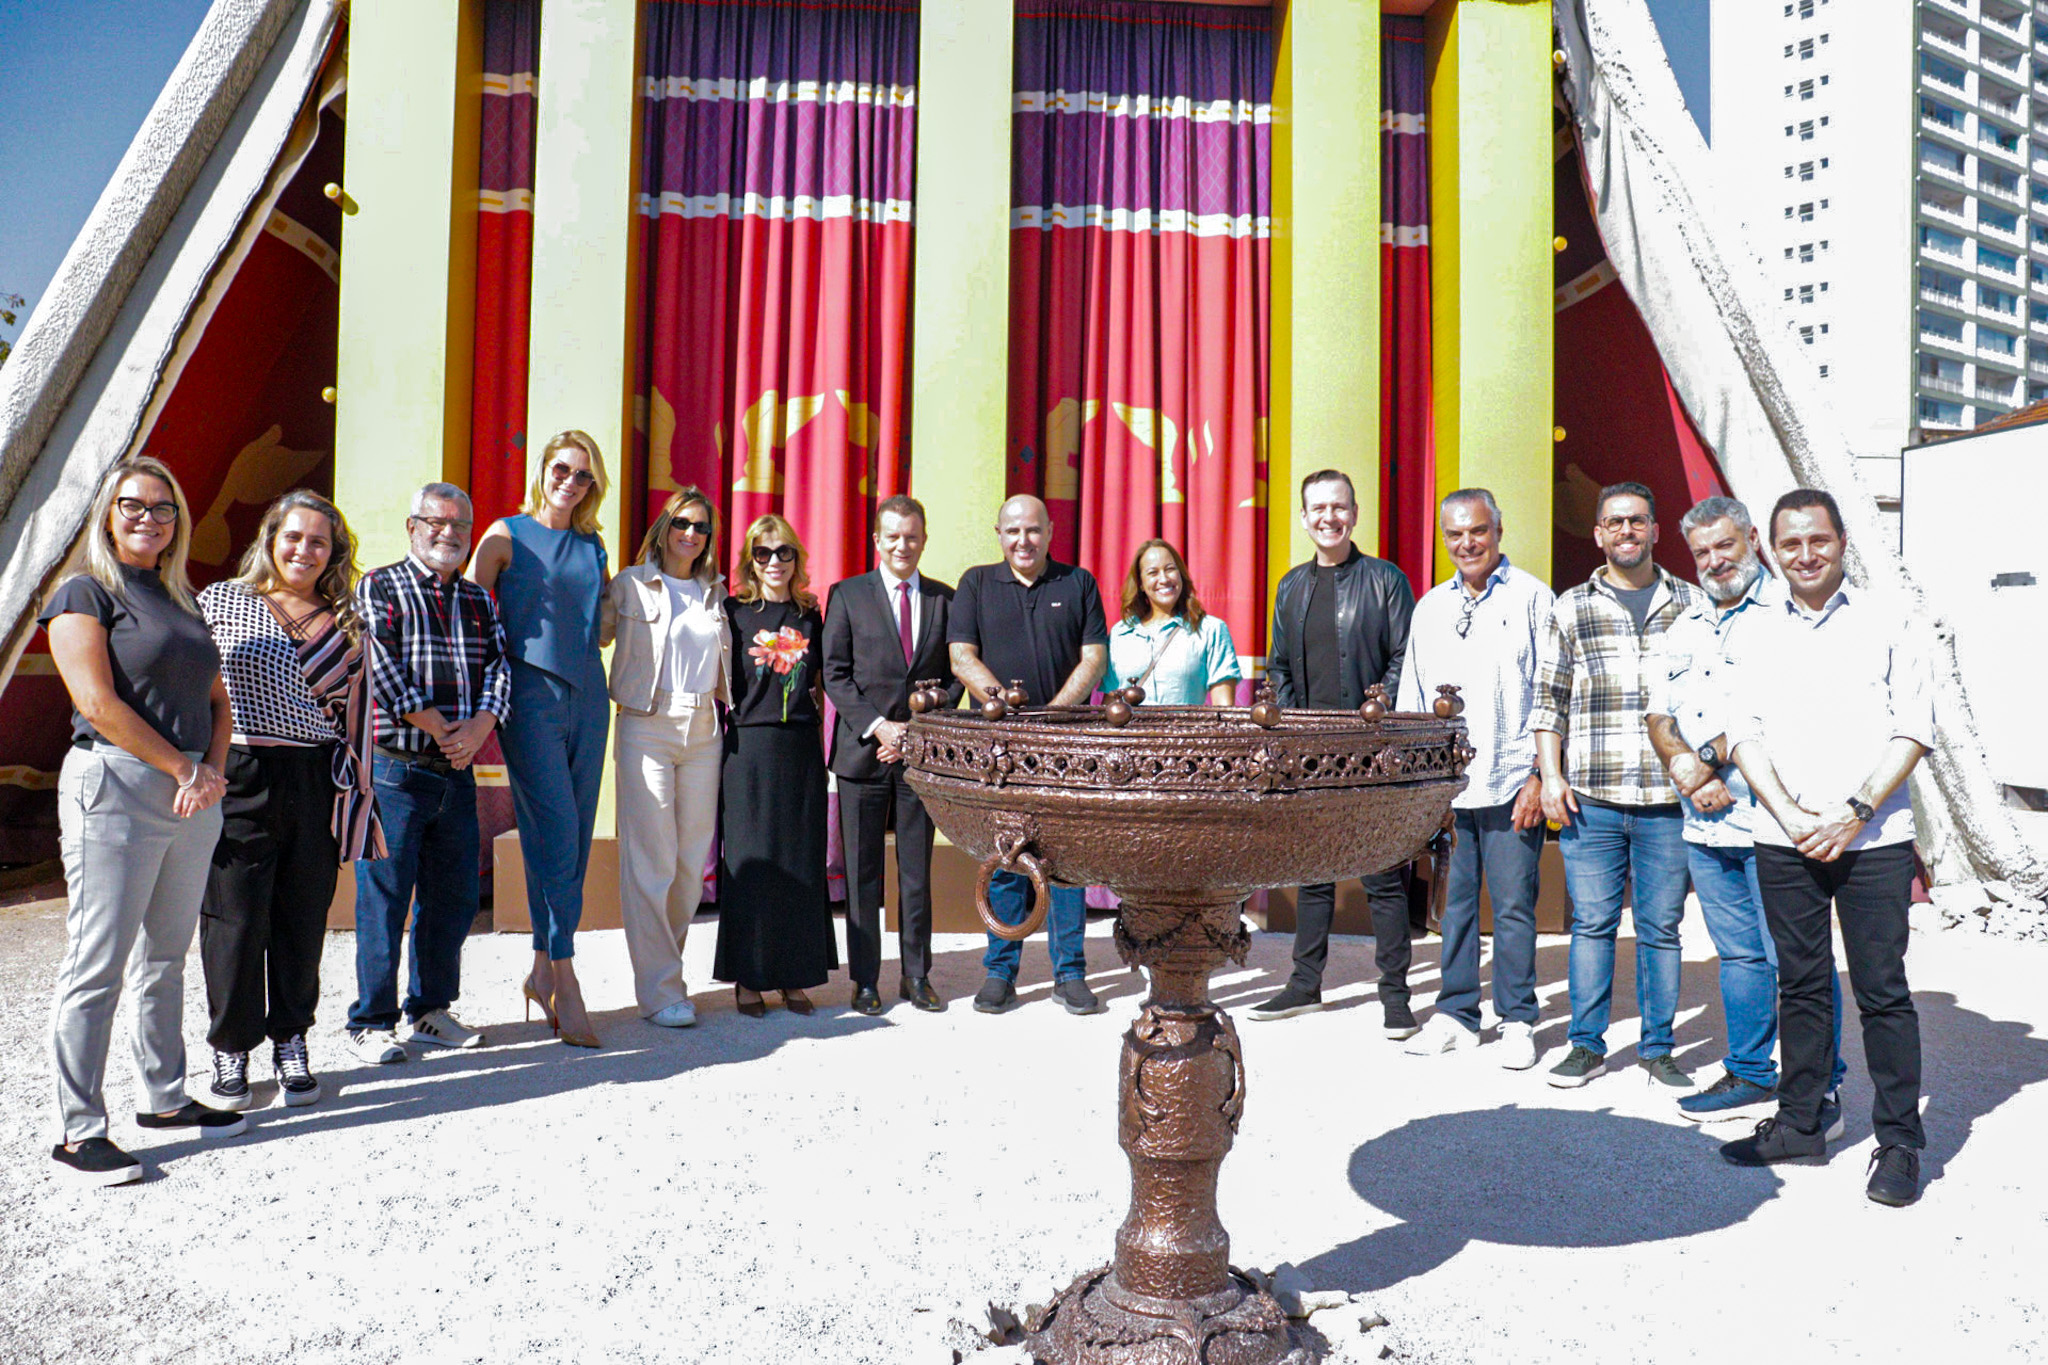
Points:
point(433, 763)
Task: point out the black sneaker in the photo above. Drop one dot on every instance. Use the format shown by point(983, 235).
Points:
point(212, 1123)
point(1894, 1176)
point(995, 996)
point(295, 1071)
point(1076, 996)
point(1831, 1125)
point(1580, 1065)
point(1666, 1074)
point(1398, 1021)
point(1291, 1001)
point(230, 1088)
point(96, 1162)
point(1774, 1142)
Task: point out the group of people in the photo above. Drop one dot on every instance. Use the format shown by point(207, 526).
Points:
point(232, 749)
point(1751, 735)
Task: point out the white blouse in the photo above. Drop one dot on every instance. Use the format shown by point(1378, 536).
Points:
point(689, 656)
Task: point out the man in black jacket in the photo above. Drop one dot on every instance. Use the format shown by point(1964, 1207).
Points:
point(1340, 625)
point(884, 630)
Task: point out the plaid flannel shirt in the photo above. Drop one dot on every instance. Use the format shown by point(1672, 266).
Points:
point(432, 644)
point(1593, 688)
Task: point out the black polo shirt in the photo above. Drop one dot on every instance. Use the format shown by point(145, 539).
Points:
point(1034, 633)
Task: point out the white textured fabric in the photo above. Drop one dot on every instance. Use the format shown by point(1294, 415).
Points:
point(1824, 694)
point(1752, 389)
point(689, 652)
point(1493, 664)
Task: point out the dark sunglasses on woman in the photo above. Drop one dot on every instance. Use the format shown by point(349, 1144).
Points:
point(785, 553)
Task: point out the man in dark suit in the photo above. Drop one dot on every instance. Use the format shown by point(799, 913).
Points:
point(884, 629)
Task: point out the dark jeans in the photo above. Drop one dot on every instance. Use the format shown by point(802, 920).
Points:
point(264, 919)
point(430, 826)
point(1314, 908)
point(1490, 846)
point(1870, 890)
point(1009, 895)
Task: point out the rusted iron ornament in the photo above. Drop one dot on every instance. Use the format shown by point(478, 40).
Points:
point(1183, 811)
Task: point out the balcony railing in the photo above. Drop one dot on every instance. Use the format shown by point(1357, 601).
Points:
point(2015, 155)
point(1941, 385)
point(1943, 298)
point(1952, 131)
point(1999, 192)
point(1955, 344)
point(1941, 42)
point(1948, 173)
point(1952, 212)
point(1994, 396)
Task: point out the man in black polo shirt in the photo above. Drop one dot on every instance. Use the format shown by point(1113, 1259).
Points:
point(1033, 619)
point(1340, 624)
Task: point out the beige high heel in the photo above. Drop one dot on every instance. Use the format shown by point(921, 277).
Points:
point(534, 997)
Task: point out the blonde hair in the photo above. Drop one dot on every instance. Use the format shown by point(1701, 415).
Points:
point(705, 570)
point(584, 518)
point(104, 565)
point(748, 581)
point(336, 585)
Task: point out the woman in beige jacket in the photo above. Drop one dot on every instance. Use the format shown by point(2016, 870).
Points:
point(671, 668)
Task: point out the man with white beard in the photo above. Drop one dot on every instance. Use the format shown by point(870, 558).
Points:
point(1688, 725)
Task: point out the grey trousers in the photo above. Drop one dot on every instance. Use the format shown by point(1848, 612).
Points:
point(136, 874)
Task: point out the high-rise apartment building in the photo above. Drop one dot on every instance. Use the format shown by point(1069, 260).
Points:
point(1892, 168)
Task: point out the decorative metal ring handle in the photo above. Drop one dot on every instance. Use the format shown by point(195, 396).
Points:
point(1010, 856)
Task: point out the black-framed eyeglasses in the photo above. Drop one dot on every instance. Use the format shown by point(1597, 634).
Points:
point(1465, 615)
point(690, 526)
point(1635, 523)
point(439, 524)
point(560, 470)
point(135, 509)
point(785, 554)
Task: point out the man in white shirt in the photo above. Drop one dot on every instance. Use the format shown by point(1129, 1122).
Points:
point(1688, 724)
point(1481, 631)
point(1836, 707)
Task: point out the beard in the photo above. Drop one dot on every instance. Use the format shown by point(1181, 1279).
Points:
point(1735, 584)
point(1628, 559)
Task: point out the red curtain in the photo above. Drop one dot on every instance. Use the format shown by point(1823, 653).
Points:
point(779, 154)
point(504, 260)
point(1139, 288)
point(1407, 454)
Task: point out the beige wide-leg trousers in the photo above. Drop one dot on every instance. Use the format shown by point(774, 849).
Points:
point(668, 766)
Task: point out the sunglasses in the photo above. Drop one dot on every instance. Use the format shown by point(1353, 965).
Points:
point(690, 526)
point(135, 509)
point(784, 554)
point(560, 470)
point(1465, 616)
point(440, 524)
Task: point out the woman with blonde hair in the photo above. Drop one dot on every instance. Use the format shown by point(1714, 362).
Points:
point(138, 810)
point(774, 908)
point(1165, 642)
point(671, 665)
point(547, 567)
point(300, 799)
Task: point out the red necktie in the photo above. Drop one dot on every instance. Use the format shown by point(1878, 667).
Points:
point(903, 620)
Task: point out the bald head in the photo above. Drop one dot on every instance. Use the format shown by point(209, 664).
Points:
point(1024, 527)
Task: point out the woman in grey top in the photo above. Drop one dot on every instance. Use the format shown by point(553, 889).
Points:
point(137, 805)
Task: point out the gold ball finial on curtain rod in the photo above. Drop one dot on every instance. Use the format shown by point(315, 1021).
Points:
point(328, 395)
point(1557, 59)
point(1558, 244)
point(1557, 435)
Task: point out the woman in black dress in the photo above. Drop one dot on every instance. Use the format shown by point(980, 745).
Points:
point(774, 909)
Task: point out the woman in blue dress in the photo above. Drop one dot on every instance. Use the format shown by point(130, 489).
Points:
point(548, 569)
point(1165, 642)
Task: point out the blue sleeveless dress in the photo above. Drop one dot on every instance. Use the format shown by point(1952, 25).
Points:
point(548, 596)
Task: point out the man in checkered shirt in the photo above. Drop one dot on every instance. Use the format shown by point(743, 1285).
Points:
point(1605, 790)
point(441, 683)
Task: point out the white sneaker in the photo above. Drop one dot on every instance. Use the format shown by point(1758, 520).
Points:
point(1517, 1046)
point(376, 1046)
point(443, 1029)
point(1441, 1034)
point(682, 1014)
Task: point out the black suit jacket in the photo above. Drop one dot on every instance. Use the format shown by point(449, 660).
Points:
point(865, 675)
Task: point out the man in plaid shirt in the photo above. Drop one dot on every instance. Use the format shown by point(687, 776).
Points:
point(441, 683)
point(1605, 790)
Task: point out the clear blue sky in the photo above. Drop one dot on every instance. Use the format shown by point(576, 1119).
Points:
point(81, 74)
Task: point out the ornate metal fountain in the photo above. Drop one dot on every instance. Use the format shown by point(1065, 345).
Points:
point(1183, 811)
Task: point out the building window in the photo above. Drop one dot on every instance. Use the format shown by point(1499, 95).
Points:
point(1806, 49)
point(1823, 372)
point(1998, 219)
point(1806, 335)
point(1806, 90)
point(1998, 301)
point(1934, 239)
point(1934, 410)
point(1788, 293)
point(1997, 260)
point(1805, 131)
point(1806, 253)
point(1806, 170)
point(1806, 212)
point(1997, 342)
point(1806, 293)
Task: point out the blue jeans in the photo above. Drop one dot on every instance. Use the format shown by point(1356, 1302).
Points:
point(1009, 895)
point(430, 827)
point(1605, 849)
point(1490, 846)
point(554, 758)
point(1733, 907)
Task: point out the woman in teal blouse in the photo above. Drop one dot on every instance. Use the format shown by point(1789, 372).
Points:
point(1166, 643)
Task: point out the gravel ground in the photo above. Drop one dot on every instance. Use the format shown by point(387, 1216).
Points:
point(848, 1190)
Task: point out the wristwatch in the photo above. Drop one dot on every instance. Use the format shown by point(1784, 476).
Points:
point(1709, 755)
point(1862, 809)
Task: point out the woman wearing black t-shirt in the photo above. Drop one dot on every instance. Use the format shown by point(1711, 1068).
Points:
point(774, 910)
point(138, 807)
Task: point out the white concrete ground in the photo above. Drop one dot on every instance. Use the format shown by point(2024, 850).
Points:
point(836, 1189)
